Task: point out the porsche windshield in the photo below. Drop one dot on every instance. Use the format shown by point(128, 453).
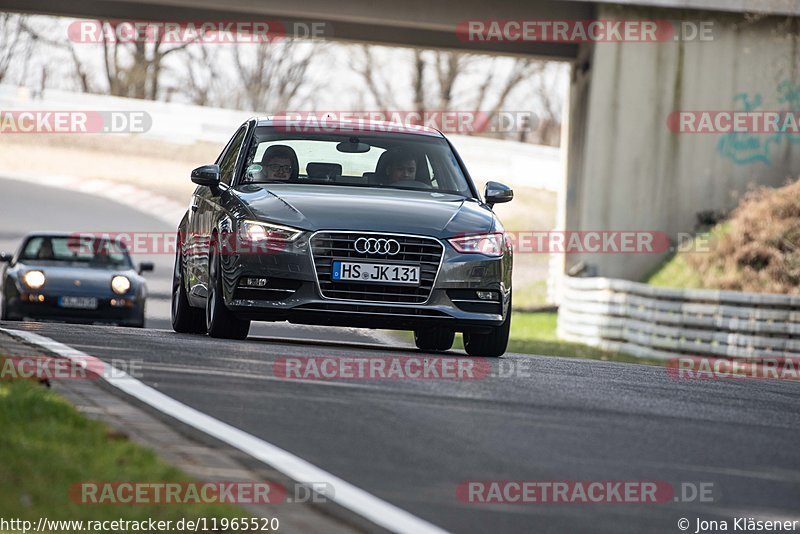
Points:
point(91, 252)
point(402, 161)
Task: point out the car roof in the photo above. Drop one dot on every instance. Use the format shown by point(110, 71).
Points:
point(59, 234)
point(330, 125)
point(62, 233)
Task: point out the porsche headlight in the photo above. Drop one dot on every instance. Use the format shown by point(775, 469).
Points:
point(488, 244)
point(120, 284)
point(34, 279)
point(267, 233)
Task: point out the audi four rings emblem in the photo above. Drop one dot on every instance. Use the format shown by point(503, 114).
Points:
point(373, 245)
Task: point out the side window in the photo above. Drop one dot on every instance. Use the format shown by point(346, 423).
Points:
point(227, 166)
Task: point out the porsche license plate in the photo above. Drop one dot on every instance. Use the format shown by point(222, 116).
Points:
point(78, 303)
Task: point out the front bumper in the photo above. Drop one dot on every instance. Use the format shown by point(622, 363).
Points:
point(293, 293)
point(21, 306)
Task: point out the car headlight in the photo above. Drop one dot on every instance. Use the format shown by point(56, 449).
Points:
point(34, 279)
point(267, 233)
point(120, 284)
point(487, 244)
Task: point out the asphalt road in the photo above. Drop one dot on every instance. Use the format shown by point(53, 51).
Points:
point(412, 442)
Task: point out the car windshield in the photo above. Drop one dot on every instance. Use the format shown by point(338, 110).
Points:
point(393, 160)
point(79, 250)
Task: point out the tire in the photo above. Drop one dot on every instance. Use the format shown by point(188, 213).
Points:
point(220, 321)
point(491, 345)
point(4, 315)
point(185, 319)
point(140, 322)
point(433, 339)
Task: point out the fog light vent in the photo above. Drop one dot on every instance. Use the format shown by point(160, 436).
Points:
point(487, 295)
point(254, 282)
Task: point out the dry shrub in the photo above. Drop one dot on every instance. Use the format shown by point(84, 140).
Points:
point(758, 248)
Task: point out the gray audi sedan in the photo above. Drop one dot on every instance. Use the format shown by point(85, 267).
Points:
point(365, 224)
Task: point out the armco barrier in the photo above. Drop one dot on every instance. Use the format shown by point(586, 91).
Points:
point(657, 322)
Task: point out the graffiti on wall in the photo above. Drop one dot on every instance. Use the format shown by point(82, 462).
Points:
point(744, 148)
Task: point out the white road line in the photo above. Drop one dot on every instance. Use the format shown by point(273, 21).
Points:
point(347, 495)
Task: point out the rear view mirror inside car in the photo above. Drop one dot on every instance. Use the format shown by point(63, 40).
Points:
point(353, 146)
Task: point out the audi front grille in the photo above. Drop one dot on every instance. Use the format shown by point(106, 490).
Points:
point(426, 252)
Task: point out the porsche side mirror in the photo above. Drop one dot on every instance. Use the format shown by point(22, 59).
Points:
point(497, 193)
point(146, 266)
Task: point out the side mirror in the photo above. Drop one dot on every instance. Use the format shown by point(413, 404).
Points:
point(207, 175)
point(6, 257)
point(146, 266)
point(497, 193)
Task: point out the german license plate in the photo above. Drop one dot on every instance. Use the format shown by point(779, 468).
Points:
point(384, 273)
point(78, 303)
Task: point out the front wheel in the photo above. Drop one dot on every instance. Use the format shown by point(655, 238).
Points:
point(492, 344)
point(220, 321)
point(434, 339)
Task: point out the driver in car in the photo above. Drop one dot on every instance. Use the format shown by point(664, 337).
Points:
point(401, 167)
point(45, 250)
point(277, 163)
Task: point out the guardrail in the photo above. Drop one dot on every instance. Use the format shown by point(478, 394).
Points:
point(662, 323)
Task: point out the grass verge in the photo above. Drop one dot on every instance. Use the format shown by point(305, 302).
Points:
point(47, 446)
point(535, 333)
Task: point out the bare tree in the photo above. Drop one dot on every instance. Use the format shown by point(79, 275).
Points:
point(365, 63)
point(131, 69)
point(418, 81)
point(135, 69)
point(13, 42)
point(550, 103)
point(449, 66)
point(274, 77)
point(200, 83)
point(451, 81)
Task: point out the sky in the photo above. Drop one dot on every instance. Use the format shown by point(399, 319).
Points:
point(336, 85)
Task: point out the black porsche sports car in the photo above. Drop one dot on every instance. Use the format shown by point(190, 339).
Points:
point(368, 226)
point(73, 278)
